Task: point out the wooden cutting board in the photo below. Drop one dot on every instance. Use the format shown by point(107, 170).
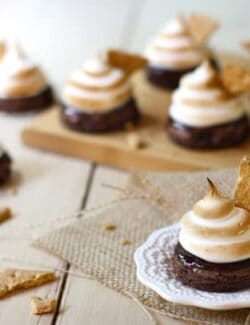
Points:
point(47, 132)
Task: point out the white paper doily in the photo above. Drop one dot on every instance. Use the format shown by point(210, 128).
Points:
point(154, 269)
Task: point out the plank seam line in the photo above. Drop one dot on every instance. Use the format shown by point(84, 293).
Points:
point(67, 266)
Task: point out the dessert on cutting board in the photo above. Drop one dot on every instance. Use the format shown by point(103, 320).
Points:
point(178, 49)
point(98, 97)
point(23, 86)
point(204, 114)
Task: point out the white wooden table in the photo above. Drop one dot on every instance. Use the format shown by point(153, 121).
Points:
point(65, 33)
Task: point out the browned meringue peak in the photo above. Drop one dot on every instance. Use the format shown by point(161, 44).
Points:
point(206, 80)
point(216, 230)
point(97, 86)
point(214, 205)
point(174, 47)
point(19, 76)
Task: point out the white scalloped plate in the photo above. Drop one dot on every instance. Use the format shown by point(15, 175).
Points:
point(154, 270)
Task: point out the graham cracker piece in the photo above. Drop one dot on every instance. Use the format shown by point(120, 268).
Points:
point(201, 27)
point(109, 226)
point(242, 189)
point(41, 306)
point(17, 279)
point(135, 141)
point(236, 79)
point(246, 45)
point(126, 61)
point(5, 213)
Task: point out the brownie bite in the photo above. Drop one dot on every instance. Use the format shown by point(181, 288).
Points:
point(98, 98)
point(204, 115)
point(173, 53)
point(23, 87)
point(213, 252)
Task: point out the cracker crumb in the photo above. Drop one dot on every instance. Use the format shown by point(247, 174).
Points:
point(242, 189)
point(246, 45)
point(5, 213)
point(135, 142)
point(42, 306)
point(109, 226)
point(129, 126)
point(12, 280)
point(126, 242)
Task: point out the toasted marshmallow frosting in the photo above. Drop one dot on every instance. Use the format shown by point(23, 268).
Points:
point(202, 101)
point(2, 151)
point(215, 230)
point(97, 87)
point(19, 76)
point(174, 48)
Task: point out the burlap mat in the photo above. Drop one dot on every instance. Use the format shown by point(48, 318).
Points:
point(150, 201)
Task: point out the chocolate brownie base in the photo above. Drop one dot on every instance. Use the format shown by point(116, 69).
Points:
point(5, 168)
point(216, 137)
point(213, 277)
point(165, 78)
point(100, 122)
point(169, 79)
point(26, 104)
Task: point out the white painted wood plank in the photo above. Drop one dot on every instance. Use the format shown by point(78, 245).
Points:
point(86, 301)
point(50, 187)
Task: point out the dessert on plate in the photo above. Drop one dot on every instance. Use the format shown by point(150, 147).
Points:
point(213, 252)
point(5, 165)
point(23, 87)
point(98, 98)
point(177, 50)
point(204, 114)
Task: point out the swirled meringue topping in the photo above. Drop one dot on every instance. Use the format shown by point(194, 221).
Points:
point(174, 47)
point(19, 76)
point(97, 86)
point(216, 230)
point(2, 151)
point(202, 100)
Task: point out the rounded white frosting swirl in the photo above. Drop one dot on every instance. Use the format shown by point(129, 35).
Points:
point(19, 76)
point(215, 230)
point(97, 87)
point(202, 101)
point(174, 47)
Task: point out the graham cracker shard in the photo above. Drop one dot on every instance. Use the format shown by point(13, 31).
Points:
point(242, 189)
point(236, 79)
point(41, 306)
point(17, 279)
point(5, 213)
point(201, 27)
point(246, 45)
point(125, 61)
